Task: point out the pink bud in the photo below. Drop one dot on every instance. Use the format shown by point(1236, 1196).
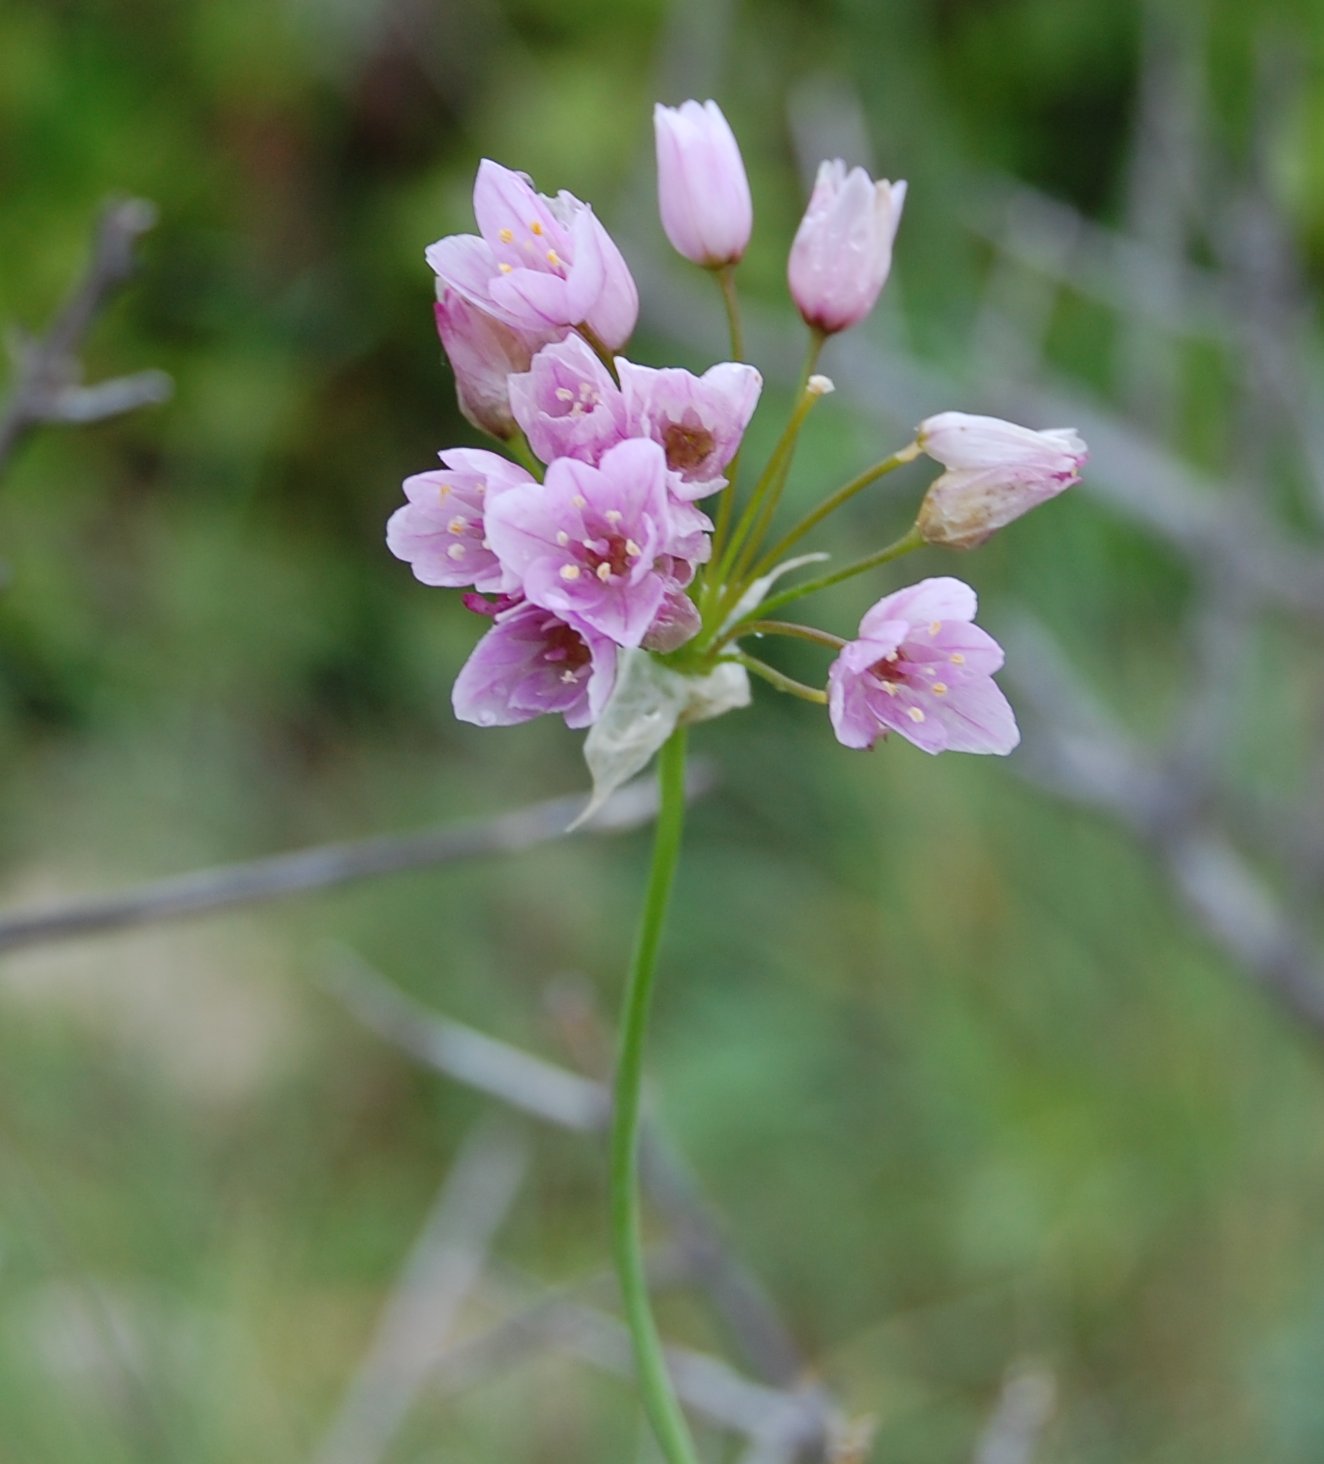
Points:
point(843, 249)
point(702, 190)
point(483, 352)
point(996, 471)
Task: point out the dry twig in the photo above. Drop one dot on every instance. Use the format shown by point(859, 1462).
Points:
point(48, 379)
point(259, 880)
point(442, 1270)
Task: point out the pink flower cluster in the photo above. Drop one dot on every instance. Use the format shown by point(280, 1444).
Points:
point(597, 555)
point(592, 549)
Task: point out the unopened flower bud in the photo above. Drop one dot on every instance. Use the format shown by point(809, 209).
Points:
point(996, 471)
point(702, 190)
point(842, 252)
point(483, 352)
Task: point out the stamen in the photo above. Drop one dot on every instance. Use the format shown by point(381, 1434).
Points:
point(579, 501)
point(939, 688)
point(535, 227)
point(562, 538)
point(569, 571)
point(507, 236)
point(444, 491)
point(889, 687)
point(632, 549)
point(564, 394)
point(456, 551)
point(613, 515)
point(603, 571)
point(505, 268)
point(914, 714)
point(935, 627)
point(457, 525)
point(553, 258)
point(957, 659)
point(569, 677)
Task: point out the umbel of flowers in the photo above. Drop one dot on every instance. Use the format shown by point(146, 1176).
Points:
point(619, 567)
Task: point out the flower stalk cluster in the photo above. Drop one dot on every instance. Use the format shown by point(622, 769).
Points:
point(614, 562)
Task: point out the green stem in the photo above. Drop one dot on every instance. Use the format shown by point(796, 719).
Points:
point(764, 498)
point(627, 1244)
point(786, 627)
point(600, 350)
point(777, 678)
point(830, 505)
point(913, 539)
point(519, 447)
point(726, 278)
point(776, 480)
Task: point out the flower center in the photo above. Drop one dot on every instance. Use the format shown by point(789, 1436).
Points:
point(688, 446)
point(571, 402)
point(610, 555)
point(565, 649)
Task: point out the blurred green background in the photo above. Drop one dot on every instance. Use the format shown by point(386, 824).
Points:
point(968, 1086)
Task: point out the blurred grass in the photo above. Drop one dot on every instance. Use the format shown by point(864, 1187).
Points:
point(964, 1083)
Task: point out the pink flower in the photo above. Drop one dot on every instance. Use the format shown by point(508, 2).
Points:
point(922, 669)
point(996, 472)
point(702, 190)
point(441, 533)
point(568, 404)
point(540, 262)
point(532, 662)
point(842, 252)
point(587, 543)
point(483, 351)
point(697, 420)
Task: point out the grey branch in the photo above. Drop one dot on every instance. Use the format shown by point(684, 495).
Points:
point(47, 384)
point(566, 1100)
point(1084, 757)
point(441, 1272)
point(794, 1423)
point(255, 881)
point(1024, 1410)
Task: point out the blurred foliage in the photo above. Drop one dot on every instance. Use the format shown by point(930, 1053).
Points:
point(966, 1086)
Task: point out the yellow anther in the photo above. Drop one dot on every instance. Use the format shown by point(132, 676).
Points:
point(457, 525)
point(553, 258)
point(603, 571)
point(569, 571)
point(579, 501)
point(889, 687)
point(569, 677)
point(914, 714)
point(564, 394)
point(456, 551)
point(535, 227)
point(505, 268)
point(939, 688)
point(957, 659)
point(562, 538)
point(935, 627)
point(443, 491)
point(507, 236)
point(613, 515)
point(632, 549)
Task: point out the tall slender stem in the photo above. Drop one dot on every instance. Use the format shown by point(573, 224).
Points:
point(726, 278)
point(627, 1244)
